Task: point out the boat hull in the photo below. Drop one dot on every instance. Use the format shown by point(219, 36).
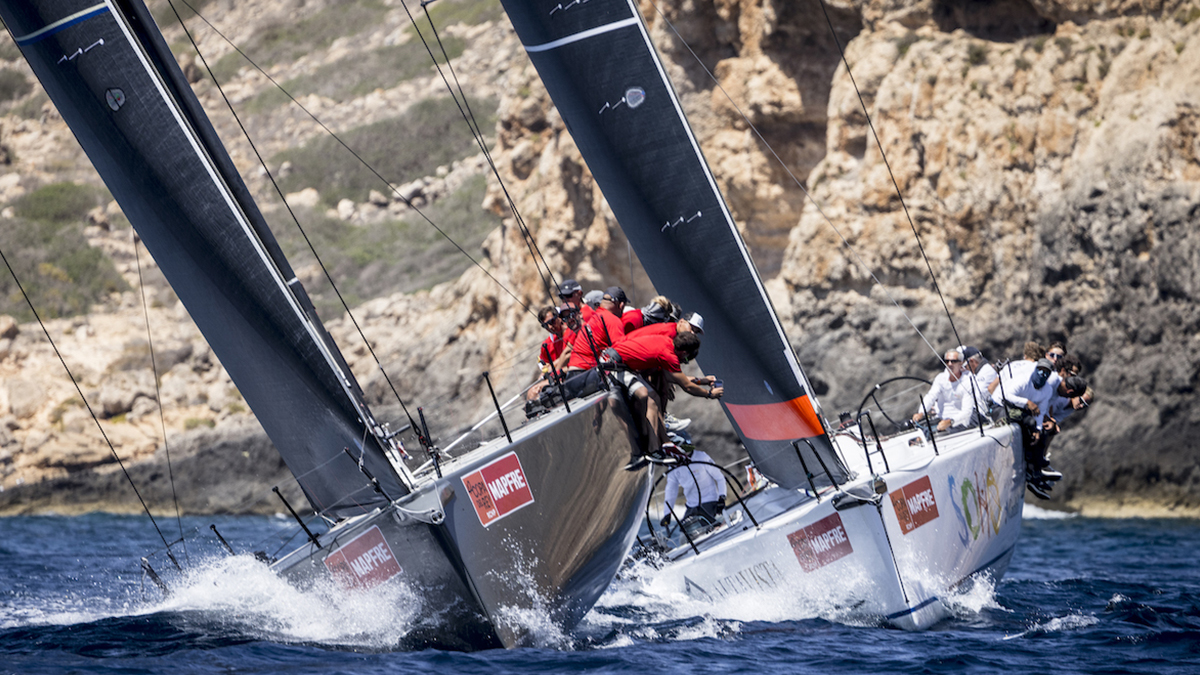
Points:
point(509, 537)
point(894, 553)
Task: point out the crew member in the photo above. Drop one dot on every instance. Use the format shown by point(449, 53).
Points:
point(703, 484)
point(602, 330)
point(1016, 372)
point(644, 353)
point(983, 371)
point(660, 310)
point(954, 397)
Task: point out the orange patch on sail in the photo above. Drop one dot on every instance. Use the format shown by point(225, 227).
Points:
point(784, 421)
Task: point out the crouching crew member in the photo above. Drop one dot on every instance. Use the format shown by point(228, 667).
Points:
point(643, 354)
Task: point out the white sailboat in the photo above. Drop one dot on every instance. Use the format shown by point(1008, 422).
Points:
point(887, 525)
point(537, 520)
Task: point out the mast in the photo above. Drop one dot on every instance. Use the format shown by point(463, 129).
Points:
point(608, 83)
point(113, 79)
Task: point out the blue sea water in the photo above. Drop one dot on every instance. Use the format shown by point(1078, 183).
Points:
point(1082, 596)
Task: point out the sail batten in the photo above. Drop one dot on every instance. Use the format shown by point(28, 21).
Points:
point(117, 85)
point(612, 91)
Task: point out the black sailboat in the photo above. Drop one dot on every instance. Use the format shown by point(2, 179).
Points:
point(540, 520)
point(888, 528)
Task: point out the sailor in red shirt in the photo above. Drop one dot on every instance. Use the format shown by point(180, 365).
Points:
point(660, 310)
point(571, 294)
point(602, 330)
point(551, 356)
point(690, 323)
point(642, 353)
point(552, 347)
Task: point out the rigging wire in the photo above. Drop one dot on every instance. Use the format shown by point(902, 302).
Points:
point(295, 219)
point(328, 131)
point(88, 405)
point(158, 391)
point(886, 163)
point(829, 221)
point(469, 117)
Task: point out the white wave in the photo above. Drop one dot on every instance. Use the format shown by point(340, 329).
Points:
point(1058, 624)
point(1032, 512)
point(654, 602)
point(972, 597)
point(243, 594)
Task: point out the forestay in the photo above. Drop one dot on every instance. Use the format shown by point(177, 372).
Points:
point(607, 81)
point(116, 83)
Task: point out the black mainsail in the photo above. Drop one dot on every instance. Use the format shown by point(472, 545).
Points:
point(112, 77)
point(605, 77)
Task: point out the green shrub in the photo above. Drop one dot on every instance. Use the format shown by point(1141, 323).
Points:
point(976, 53)
point(8, 49)
point(164, 14)
point(1022, 64)
point(375, 260)
point(31, 108)
point(360, 74)
point(58, 202)
point(196, 422)
point(62, 274)
point(13, 85)
point(429, 134)
point(286, 39)
point(903, 43)
point(470, 12)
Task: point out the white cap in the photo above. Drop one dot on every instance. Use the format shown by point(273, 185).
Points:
point(696, 321)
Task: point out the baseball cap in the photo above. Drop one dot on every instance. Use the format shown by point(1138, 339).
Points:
point(568, 288)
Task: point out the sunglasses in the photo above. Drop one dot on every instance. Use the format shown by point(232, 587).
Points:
point(1054, 357)
point(949, 361)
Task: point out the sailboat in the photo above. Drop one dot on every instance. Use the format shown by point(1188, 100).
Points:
point(539, 519)
point(889, 526)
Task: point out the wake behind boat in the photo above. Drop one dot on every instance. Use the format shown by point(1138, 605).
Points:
point(537, 521)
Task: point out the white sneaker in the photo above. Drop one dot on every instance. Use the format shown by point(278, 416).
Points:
point(673, 423)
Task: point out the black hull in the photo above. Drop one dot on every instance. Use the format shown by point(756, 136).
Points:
point(553, 555)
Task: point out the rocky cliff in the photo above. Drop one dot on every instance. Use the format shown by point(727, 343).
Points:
point(1044, 156)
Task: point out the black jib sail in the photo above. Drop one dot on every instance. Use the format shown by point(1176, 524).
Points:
point(596, 60)
point(116, 83)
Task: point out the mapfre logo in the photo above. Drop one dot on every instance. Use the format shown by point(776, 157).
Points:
point(914, 504)
point(821, 543)
point(498, 489)
point(364, 562)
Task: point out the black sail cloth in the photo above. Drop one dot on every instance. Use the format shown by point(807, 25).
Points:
point(116, 84)
point(608, 84)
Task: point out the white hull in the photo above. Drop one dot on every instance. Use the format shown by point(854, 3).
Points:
point(940, 520)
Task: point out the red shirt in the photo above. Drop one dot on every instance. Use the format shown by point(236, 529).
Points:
point(646, 351)
point(668, 328)
point(606, 329)
point(633, 320)
point(552, 348)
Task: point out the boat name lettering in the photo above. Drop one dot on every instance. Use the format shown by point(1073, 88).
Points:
point(498, 489)
point(759, 577)
point(915, 504)
point(364, 562)
point(821, 543)
point(370, 560)
point(513, 480)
